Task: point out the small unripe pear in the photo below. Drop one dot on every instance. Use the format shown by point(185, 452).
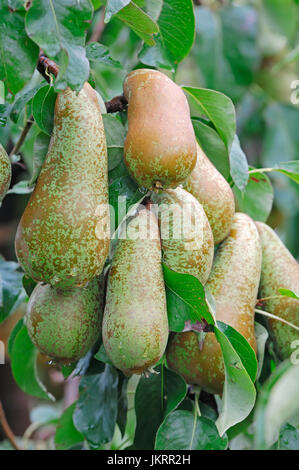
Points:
point(279, 270)
point(63, 236)
point(186, 235)
point(160, 147)
point(64, 324)
point(135, 324)
point(233, 282)
point(209, 187)
point(5, 173)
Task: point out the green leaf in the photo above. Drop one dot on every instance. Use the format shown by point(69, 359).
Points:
point(261, 335)
point(28, 284)
point(219, 109)
point(24, 369)
point(100, 53)
point(67, 435)
point(177, 27)
point(137, 20)
point(277, 403)
point(41, 145)
point(123, 193)
point(96, 411)
point(290, 169)
point(156, 56)
point(238, 392)
point(181, 430)
point(18, 54)
point(18, 326)
point(156, 396)
point(238, 165)
point(122, 408)
point(115, 137)
point(43, 108)
point(177, 32)
point(21, 102)
point(212, 146)
point(113, 7)
point(12, 293)
point(257, 198)
point(58, 28)
point(288, 438)
point(242, 348)
point(288, 293)
point(225, 48)
point(281, 136)
point(189, 290)
point(22, 187)
point(4, 113)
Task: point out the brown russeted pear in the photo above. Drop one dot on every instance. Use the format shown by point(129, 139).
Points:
point(5, 173)
point(186, 235)
point(214, 193)
point(63, 235)
point(65, 323)
point(279, 270)
point(160, 147)
point(135, 323)
point(233, 282)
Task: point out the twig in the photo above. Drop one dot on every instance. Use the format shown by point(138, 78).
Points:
point(118, 103)
point(45, 66)
point(275, 317)
point(6, 428)
point(22, 137)
point(98, 31)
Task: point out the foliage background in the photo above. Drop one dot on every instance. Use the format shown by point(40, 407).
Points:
point(247, 50)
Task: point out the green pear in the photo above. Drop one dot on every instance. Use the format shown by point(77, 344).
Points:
point(63, 235)
point(5, 173)
point(209, 187)
point(186, 235)
point(160, 147)
point(135, 324)
point(65, 323)
point(279, 270)
point(233, 282)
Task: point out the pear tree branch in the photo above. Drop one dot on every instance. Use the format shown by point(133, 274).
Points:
point(7, 429)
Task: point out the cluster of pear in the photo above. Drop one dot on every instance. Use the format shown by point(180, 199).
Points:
point(63, 241)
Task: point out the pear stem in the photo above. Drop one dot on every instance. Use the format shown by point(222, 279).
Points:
point(6, 428)
point(274, 317)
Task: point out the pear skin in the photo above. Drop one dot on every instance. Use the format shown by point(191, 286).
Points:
point(63, 235)
point(233, 282)
point(65, 323)
point(186, 235)
point(135, 324)
point(160, 147)
point(5, 173)
point(279, 270)
point(209, 187)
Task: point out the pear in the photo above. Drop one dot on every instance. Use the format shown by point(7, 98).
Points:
point(233, 282)
point(160, 147)
point(135, 324)
point(65, 323)
point(186, 235)
point(209, 187)
point(5, 173)
point(63, 235)
point(279, 270)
